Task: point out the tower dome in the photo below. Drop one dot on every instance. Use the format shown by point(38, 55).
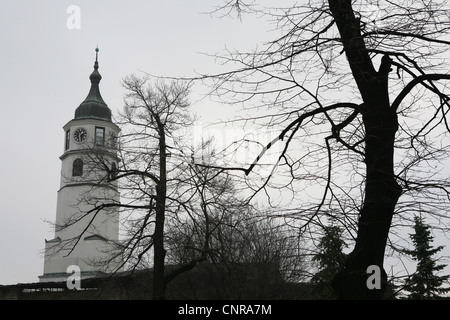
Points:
point(94, 106)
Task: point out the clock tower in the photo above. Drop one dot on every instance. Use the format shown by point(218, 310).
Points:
point(85, 229)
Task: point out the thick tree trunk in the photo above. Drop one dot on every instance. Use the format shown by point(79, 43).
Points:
point(381, 189)
point(381, 195)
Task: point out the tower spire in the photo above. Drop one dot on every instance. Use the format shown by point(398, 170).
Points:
point(94, 106)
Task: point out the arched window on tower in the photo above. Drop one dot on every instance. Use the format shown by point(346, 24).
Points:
point(77, 169)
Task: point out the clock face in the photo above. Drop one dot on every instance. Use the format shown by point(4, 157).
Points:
point(80, 135)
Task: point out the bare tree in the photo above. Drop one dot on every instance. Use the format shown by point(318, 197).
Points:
point(155, 116)
point(177, 208)
point(246, 252)
point(147, 172)
point(354, 90)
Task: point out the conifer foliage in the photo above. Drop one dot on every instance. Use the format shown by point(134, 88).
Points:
point(425, 284)
point(330, 259)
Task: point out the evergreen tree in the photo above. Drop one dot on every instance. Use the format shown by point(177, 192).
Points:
point(424, 284)
point(331, 260)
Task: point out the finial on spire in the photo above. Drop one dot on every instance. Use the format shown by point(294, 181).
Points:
point(96, 58)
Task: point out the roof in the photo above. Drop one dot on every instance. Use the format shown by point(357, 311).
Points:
point(94, 106)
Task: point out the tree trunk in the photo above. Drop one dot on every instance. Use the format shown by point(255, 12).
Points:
point(159, 253)
point(381, 195)
point(381, 189)
point(159, 286)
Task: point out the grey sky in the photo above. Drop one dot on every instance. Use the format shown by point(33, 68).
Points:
point(45, 68)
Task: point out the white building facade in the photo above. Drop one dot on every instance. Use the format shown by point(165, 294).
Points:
point(87, 219)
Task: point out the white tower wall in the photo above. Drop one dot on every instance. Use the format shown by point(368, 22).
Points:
point(83, 236)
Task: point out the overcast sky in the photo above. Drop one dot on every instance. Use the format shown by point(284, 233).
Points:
point(46, 61)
